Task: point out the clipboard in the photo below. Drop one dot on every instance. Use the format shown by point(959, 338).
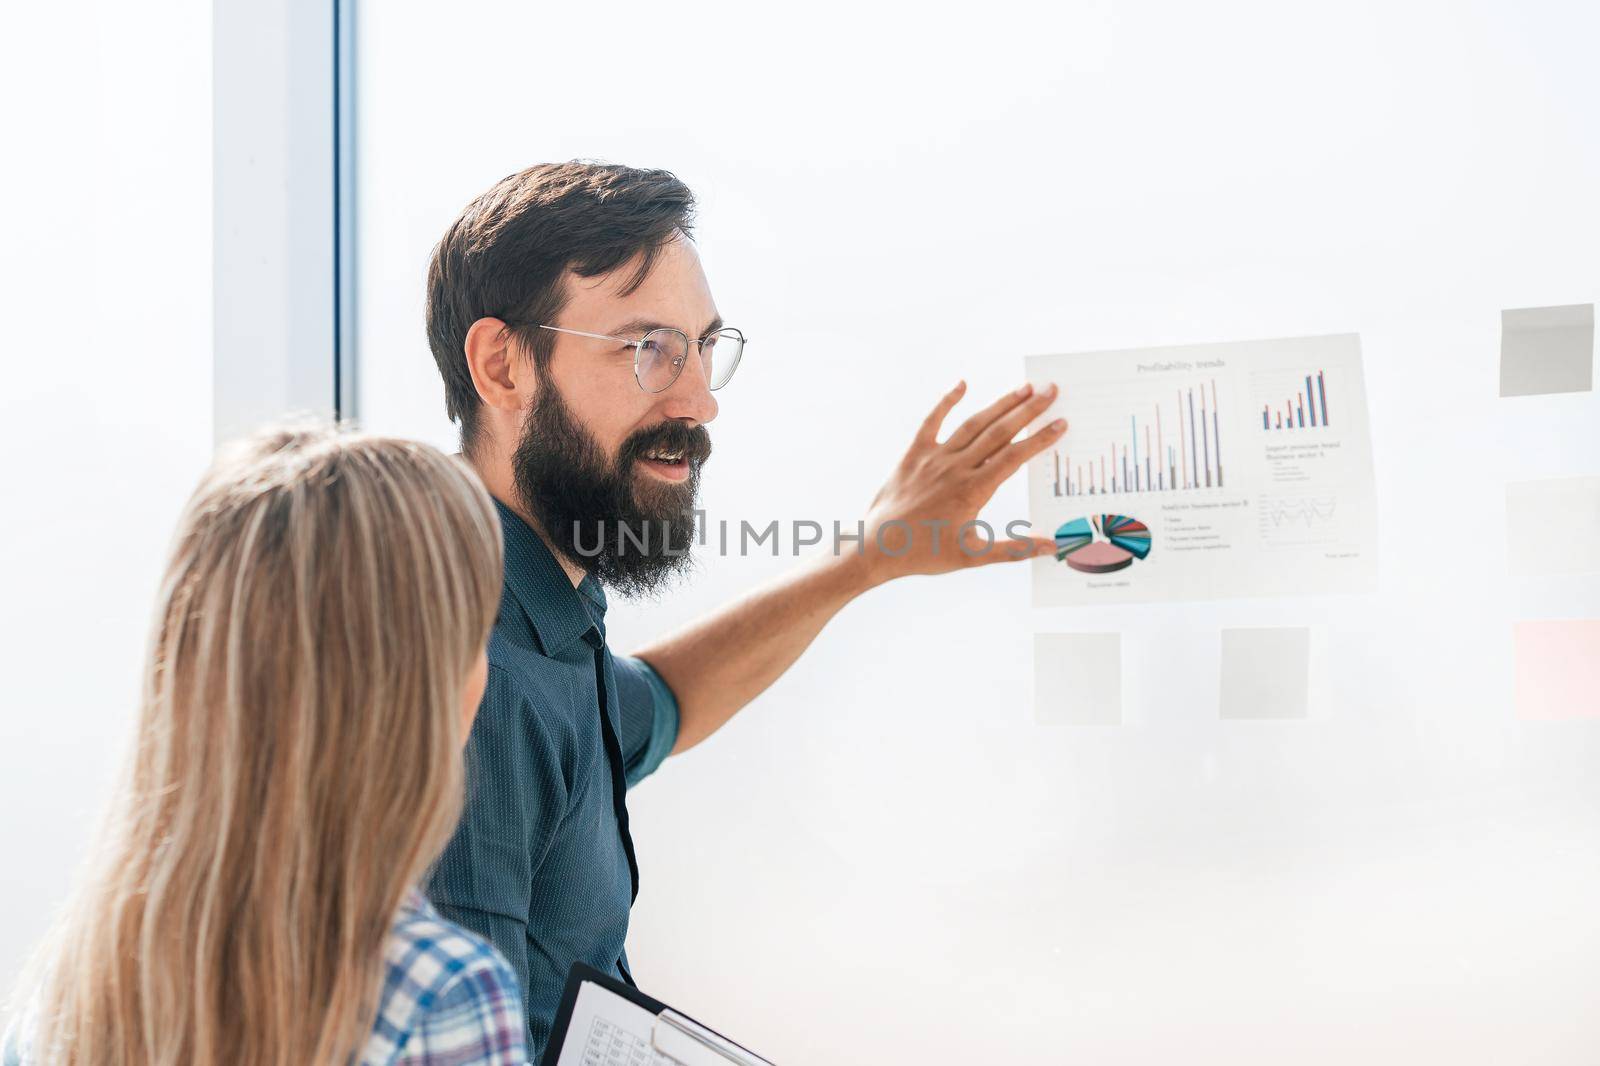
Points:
point(599, 1001)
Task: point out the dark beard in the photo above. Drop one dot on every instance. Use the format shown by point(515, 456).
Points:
point(632, 537)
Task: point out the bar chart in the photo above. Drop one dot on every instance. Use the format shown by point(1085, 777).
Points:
point(1171, 449)
point(1306, 408)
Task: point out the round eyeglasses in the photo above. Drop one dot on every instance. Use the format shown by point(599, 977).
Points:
point(659, 356)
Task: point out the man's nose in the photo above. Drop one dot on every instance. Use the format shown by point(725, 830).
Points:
point(689, 398)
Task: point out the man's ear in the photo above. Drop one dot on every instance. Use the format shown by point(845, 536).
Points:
point(503, 381)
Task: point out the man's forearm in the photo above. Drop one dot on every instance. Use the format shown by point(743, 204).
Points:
point(717, 665)
point(931, 500)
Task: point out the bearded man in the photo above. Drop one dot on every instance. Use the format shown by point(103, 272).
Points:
point(580, 349)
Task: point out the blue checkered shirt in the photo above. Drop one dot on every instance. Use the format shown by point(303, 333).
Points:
point(449, 999)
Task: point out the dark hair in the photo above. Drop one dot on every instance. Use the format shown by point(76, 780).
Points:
point(507, 256)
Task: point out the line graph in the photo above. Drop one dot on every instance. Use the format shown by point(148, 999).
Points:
point(1291, 521)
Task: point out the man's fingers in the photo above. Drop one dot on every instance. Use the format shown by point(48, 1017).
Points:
point(929, 433)
point(1016, 549)
point(977, 423)
point(989, 443)
point(1009, 459)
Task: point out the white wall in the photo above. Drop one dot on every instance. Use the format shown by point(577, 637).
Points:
point(884, 858)
point(105, 412)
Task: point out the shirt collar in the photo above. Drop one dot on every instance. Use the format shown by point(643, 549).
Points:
point(595, 594)
point(552, 605)
point(414, 902)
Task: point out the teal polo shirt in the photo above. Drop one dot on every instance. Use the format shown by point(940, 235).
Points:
point(542, 864)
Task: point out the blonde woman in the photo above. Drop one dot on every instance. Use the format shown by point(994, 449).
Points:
point(317, 657)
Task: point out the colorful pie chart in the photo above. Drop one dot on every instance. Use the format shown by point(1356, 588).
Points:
point(1102, 544)
point(1126, 533)
point(1072, 536)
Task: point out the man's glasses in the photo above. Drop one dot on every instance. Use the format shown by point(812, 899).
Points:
point(659, 356)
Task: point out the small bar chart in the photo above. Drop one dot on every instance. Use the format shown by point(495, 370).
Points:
point(1172, 452)
point(1305, 409)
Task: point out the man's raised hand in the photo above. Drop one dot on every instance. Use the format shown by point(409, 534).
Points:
point(924, 520)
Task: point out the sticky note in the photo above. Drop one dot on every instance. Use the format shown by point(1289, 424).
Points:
point(1265, 672)
point(1553, 526)
point(1557, 669)
point(1077, 678)
point(1547, 350)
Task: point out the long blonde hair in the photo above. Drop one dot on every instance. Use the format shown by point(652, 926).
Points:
point(297, 765)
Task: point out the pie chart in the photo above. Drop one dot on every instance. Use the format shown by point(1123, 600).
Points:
point(1072, 536)
point(1127, 533)
point(1102, 544)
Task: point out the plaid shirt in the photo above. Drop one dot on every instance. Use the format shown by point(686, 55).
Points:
point(449, 998)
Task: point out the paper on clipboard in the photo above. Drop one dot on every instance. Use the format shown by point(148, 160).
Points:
point(686, 1041)
point(607, 1028)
